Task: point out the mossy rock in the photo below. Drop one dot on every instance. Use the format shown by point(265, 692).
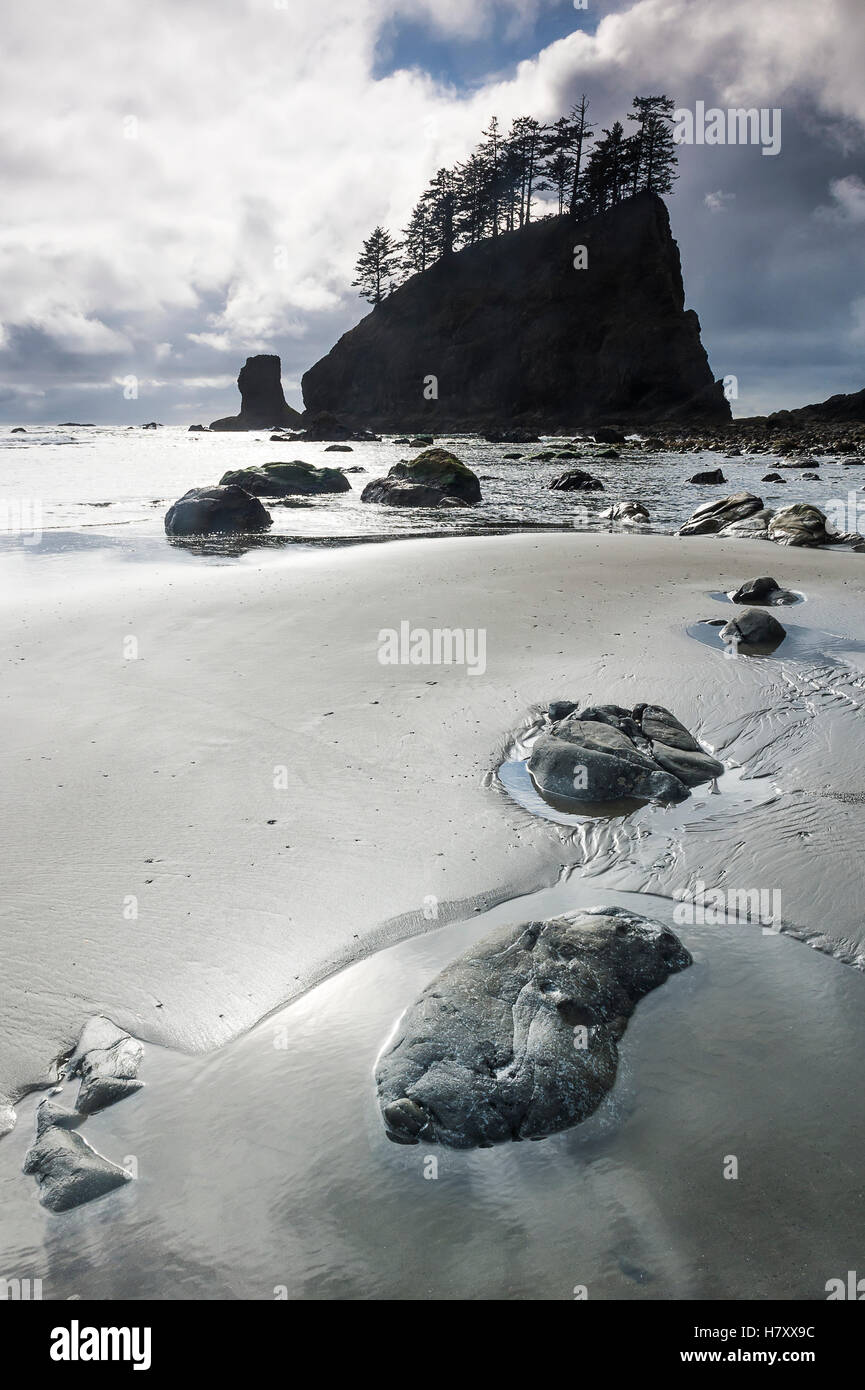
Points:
point(441, 469)
point(288, 479)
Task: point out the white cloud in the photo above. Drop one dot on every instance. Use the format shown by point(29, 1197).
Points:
point(718, 201)
point(849, 195)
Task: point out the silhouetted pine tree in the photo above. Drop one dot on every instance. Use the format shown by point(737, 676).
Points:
point(416, 255)
point(580, 135)
point(655, 166)
point(559, 159)
point(440, 201)
point(377, 265)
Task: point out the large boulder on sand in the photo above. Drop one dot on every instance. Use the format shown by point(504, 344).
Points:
point(67, 1169)
point(605, 753)
point(714, 516)
point(762, 590)
point(295, 479)
point(262, 403)
point(438, 476)
point(517, 1038)
point(754, 627)
point(205, 511)
point(801, 524)
point(107, 1060)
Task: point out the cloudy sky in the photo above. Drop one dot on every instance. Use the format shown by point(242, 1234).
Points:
point(187, 183)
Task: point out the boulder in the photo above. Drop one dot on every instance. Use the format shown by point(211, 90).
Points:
point(607, 435)
point(713, 516)
point(772, 478)
point(763, 590)
point(67, 1169)
point(754, 527)
point(107, 1061)
point(576, 481)
point(605, 753)
point(262, 403)
point(19, 429)
point(801, 524)
point(396, 492)
point(560, 709)
point(198, 429)
point(339, 449)
point(207, 511)
point(627, 512)
point(295, 479)
point(754, 627)
point(435, 471)
point(713, 475)
point(517, 1038)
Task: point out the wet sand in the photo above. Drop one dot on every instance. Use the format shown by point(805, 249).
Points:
point(264, 1170)
point(278, 804)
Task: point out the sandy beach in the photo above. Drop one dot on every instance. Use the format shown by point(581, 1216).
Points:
point(246, 892)
point(259, 803)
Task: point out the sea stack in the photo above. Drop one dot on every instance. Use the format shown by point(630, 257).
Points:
point(509, 331)
point(262, 403)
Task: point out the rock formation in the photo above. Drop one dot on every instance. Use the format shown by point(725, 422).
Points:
point(513, 334)
point(204, 511)
point(605, 753)
point(754, 627)
point(295, 479)
point(262, 403)
point(435, 478)
point(576, 481)
point(517, 1038)
point(764, 589)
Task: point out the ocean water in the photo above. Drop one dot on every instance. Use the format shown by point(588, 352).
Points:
point(73, 489)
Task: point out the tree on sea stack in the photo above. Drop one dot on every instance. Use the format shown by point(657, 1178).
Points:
point(655, 159)
point(377, 265)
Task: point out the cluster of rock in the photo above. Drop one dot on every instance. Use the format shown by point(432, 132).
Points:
point(67, 1169)
point(517, 1038)
point(743, 514)
point(605, 753)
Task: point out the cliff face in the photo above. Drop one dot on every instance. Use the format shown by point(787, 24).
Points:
point(262, 403)
point(513, 332)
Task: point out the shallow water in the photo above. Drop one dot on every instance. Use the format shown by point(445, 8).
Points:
point(264, 1170)
point(119, 482)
